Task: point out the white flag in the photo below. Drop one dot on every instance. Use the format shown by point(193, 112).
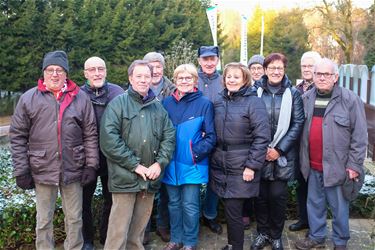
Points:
point(212, 19)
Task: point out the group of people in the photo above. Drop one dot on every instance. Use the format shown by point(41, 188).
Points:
point(245, 134)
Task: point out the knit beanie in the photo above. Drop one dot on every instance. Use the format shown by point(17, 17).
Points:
point(57, 57)
point(259, 59)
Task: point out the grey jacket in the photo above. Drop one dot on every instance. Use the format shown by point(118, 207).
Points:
point(344, 135)
point(210, 86)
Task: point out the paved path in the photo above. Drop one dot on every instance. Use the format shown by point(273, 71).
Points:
point(362, 237)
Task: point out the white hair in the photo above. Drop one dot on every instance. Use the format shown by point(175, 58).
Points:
point(311, 54)
point(327, 61)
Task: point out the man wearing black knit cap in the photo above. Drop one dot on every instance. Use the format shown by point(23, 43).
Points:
point(54, 147)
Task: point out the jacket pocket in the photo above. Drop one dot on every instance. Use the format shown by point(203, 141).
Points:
point(79, 155)
point(37, 159)
point(342, 121)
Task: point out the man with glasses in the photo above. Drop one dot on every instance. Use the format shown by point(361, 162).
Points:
point(333, 148)
point(308, 61)
point(255, 66)
point(101, 92)
point(54, 146)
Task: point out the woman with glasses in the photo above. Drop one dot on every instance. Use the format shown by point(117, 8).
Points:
point(286, 116)
point(193, 117)
point(243, 134)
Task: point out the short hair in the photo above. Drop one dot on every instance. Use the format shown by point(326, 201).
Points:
point(189, 68)
point(275, 57)
point(325, 60)
point(244, 69)
point(154, 57)
point(138, 63)
point(94, 58)
point(311, 54)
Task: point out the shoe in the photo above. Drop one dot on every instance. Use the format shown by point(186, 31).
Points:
point(173, 246)
point(340, 247)
point(246, 222)
point(277, 244)
point(227, 247)
point(298, 226)
point(308, 243)
point(164, 234)
point(212, 225)
point(146, 238)
point(260, 242)
point(88, 246)
point(189, 248)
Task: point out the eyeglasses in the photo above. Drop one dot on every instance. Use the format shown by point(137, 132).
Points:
point(51, 71)
point(187, 79)
point(273, 69)
point(309, 66)
point(325, 74)
point(259, 68)
point(93, 70)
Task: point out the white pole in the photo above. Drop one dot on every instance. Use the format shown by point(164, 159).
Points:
point(261, 36)
point(243, 55)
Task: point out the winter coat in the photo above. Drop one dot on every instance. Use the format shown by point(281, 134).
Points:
point(243, 134)
point(288, 145)
point(167, 89)
point(54, 140)
point(344, 135)
point(135, 130)
point(210, 86)
point(193, 118)
point(100, 97)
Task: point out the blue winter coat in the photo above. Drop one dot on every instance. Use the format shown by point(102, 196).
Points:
point(193, 118)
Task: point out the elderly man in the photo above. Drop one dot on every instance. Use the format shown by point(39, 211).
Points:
point(138, 140)
point(101, 92)
point(308, 61)
point(54, 147)
point(210, 83)
point(333, 145)
point(255, 66)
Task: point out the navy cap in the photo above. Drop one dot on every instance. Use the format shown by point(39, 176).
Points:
point(205, 51)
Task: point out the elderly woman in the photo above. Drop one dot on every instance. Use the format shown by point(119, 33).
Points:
point(286, 116)
point(192, 115)
point(243, 132)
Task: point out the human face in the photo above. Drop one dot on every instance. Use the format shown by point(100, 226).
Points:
point(208, 64)
point(54, 77)
point(157, 72)
point(307, 69)
point(234, 79)
point(256, 71)
point(324, 77)
point(141, 79)
point(185, 82)
point(275, 72)
point(95, 72)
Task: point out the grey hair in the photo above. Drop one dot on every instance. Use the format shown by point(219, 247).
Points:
point(154, 57)
point(311, 54)
point(138, 63)
point(327, 61)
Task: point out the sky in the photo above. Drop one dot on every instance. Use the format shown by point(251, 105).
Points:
point(245, 6)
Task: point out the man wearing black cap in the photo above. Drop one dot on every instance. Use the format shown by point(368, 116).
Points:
point(54, 147)
point(210, 83)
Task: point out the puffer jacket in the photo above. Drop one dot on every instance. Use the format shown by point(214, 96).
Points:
point(243, 134)
point(288, 145)
point(100, 97)
point(210, 86)
point(192, 116)
point(54, 140)
point(133, 131)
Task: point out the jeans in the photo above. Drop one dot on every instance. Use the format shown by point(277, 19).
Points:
point(317, 199)
point(210, 204)
point(88, 230)
point(184, 213)
point(71, 196)
point(235, 227)
point(130, 213)
point(162, 216)
point(270, 207)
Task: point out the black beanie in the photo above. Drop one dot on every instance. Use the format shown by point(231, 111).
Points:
point(57, 57)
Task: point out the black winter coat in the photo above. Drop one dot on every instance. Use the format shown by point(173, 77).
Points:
point(288, 145)
point(243, 134)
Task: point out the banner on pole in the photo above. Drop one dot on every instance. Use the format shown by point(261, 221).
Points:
point(243, 55)
point(212, 19)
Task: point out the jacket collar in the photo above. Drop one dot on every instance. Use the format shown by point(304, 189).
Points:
point(141, 99)
point(285, 83)
point(203, 75)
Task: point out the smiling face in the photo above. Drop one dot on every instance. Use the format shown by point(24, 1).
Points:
point(275, 72)
point(208, 64)
point(234, 79)
point(307, 69)
point(185, 82)
point(256, 71)
point(157, 72)
point(141, 79)
point(95, 72)
point(54, 77)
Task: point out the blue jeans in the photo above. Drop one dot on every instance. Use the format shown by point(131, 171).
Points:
point(184, 213)
point(210, 204)
point(317, 199)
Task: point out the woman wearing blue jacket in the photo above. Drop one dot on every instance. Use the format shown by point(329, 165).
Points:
point(192, 115)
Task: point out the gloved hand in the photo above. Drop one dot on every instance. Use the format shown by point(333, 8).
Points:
point(25, 181)
point(88, 176)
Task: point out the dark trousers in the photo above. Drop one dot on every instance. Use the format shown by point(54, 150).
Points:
point(88, 230)
point(248, 208)
point(235, 228)
point(301, 191)
point(270, 207)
